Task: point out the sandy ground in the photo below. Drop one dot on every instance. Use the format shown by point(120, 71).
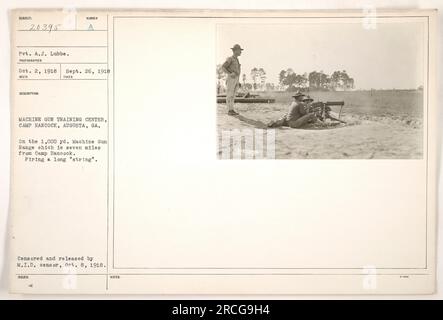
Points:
point(364, 137)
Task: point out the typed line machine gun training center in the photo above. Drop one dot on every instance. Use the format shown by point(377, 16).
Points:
point(323, 110)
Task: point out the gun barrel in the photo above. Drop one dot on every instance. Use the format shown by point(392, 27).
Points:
point(335, 103)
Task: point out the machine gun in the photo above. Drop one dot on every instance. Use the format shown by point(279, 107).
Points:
point(323, 110)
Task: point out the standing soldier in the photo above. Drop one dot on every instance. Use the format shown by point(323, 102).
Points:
point(232, 68)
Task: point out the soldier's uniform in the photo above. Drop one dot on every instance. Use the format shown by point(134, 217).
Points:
point(233, 68)
point(296, 117)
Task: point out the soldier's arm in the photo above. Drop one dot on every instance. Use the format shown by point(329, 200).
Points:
point(226, 65)
point(303, 110)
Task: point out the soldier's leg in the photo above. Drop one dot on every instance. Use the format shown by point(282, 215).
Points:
point(230, 93)
point(300, 122)
point(236, 86)
point(229, 103)
point(278, 123)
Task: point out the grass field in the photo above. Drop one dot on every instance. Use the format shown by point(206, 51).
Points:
point(381, 124)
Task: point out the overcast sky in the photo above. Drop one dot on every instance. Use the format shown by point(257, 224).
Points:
point(391, 56)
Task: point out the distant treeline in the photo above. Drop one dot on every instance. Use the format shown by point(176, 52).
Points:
point(338, 80)
point(291, 81)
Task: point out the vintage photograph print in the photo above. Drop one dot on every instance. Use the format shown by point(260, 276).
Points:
point(326, 89)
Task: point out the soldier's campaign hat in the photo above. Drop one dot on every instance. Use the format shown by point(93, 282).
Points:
point(298, 94)
point(308, 98)
point(236, 47)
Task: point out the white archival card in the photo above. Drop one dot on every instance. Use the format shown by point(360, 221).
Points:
point(223, 152)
